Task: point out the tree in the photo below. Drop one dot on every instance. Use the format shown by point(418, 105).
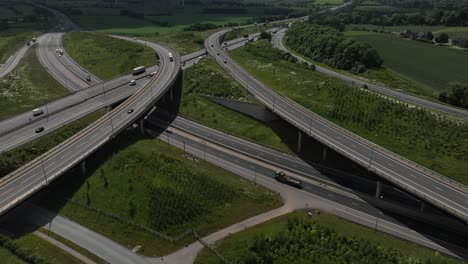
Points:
point(430, 36)
point(442, 38)
point(265, 35)
point(456, 94)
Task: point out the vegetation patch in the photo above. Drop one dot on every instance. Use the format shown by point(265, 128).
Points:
point(106, 56)
point(13, 159)
point(27, 86)
point(240, 32)
point(10, 44)
point(208, 79)
point(434, 141)
point(329, 46)
point(28, 248)
point(146, 183)
point(324, 238)
point(184, 42)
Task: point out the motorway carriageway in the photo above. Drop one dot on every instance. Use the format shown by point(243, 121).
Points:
point(346, 205)
point(450, 196)
point(25, 181)
point(19, 129)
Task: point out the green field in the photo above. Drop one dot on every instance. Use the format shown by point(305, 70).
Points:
point(152, 184)
point(328, 2)
point(28, 248)
point(295, 238)
point(13, 159)
point(208, 79)
point(427, 64)
point(105, 56)
point(29, 85)
point(436, 142)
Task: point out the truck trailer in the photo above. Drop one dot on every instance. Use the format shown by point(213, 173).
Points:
point(283, 178)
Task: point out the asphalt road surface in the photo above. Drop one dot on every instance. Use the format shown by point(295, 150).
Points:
point(429, 186)
point(277, 43)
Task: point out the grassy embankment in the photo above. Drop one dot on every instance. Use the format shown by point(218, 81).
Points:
point(287, 229)
point(238, 33)
point(28, 248)
point(208, 79)
point(15, 158)
point(436, 142)
point(11, 43)
point(382, 76)
point(151, 184)
point(27, 86)
point(429, 65)
point(105, 56)
point(184, 42)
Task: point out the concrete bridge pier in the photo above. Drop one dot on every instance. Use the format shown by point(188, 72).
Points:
point(299, 141)
point(423, 206)
point(83, 167)
point(171, 94)
point(324, 154)
point(140, 125)
point(378, 189)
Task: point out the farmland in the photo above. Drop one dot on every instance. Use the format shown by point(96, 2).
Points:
point(105, 56)
point(277, 241)
point(412, 60)
point(432, 141)
point(27, 86)
point(149, 183)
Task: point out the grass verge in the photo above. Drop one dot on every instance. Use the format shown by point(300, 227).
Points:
point(299, 239)
point(105, 56)
point(145, 182)
point(28, 248)
point(10, 44)
point(208, 79)
point(434, 141)
point(27, 86)
point(184, 42)
point(15, 158)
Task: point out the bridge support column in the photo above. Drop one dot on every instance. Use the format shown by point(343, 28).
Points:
point(171, 95)
point(83, 166)
point(378, 189)
point(142, 129)
point(163, 98)
point(299, 141)
point(423, 205)
point(324, 154)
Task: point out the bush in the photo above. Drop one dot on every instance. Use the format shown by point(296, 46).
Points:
point(456, 94)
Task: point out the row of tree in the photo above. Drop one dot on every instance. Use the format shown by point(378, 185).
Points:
point(328, 45)
point(456, 94)
point(434, 17)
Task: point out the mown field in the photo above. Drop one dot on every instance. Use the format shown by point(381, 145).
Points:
point(105, 56)
point(28, 248)
point(325, 238)
point(427, 64)
point(150, 183)
point(436, 142)
point(208, 79)
point(27, 86)
point(13, 159)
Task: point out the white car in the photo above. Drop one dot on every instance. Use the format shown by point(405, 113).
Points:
point(132, 83)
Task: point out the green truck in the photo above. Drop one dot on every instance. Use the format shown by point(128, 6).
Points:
point(283, 178)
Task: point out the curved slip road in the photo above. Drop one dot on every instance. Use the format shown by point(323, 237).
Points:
point(33, 176)
point(277, 41)
point(429, 186)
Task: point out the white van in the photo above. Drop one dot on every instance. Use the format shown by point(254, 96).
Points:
point(37, 112)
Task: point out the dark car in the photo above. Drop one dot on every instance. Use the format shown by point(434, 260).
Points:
point(39, 129)
point(225, 62)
